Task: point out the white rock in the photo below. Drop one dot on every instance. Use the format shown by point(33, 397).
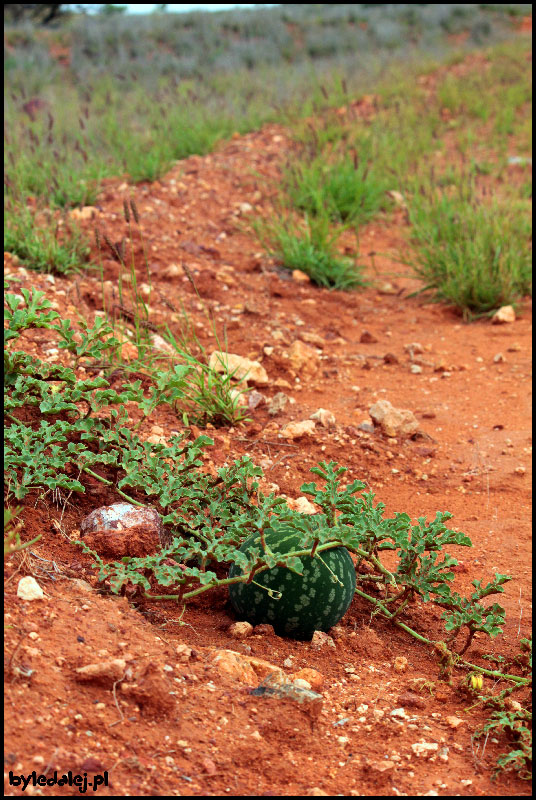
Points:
point(321, 639)
point(503, 315)
point(29, 589)
point(238, 367)
point(325, 417)
point(302, 504)
point(399, 713)
point(301, 683)
point(424, 749)
point(293, 430)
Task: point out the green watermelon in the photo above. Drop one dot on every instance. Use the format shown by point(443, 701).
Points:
point(310, 602)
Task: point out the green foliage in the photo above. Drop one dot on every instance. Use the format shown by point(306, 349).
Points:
point(470, 252)
point(345, 188)
point(44, 247)
point(312, 248)
point(511, 719)
point(74, 429)
point(81, 424)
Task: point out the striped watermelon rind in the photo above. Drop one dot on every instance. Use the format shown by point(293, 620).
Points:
point(309, 602)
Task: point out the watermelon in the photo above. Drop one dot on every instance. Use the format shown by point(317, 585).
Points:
point(309, 602)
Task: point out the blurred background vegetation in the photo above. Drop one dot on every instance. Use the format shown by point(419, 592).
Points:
point(92, 91)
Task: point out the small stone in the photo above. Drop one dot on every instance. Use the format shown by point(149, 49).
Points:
point(321, 639)
point(29, 589)
point(113, 670)
point(413, 348)
point(504, 315)
point(390, 358)
point(513, 705)
point(411, 700)
point(387, 288)
point(397, 197)
point(238, 367)
point(400, 664)
point(87, 212)
point(454, 722)
point(393, 421)
point(301, 683)
point(264, 629)
point(312, 338)
point(302, 357)
point(302, 505)
point(520, 470)
point(245, 208)
point(314, 678)
point(425, 749)
point(381, 766)
point(399, 713)
point(255, 399)
point(277, 404)
point(325, 417)
point(240, 630)
point(295, 430)
point(246, 669)
point(317, 792)
point(367, 427)
point(300, 277)
point(172, 271)
point(498, 358)
point(367, 338)
point(209, 767)
point(123, 529)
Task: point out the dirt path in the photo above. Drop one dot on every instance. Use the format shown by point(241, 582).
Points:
point(183, 727)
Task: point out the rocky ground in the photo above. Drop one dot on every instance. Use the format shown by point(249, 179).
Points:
point(164, 703)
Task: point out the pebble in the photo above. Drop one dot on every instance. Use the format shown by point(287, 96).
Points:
point(29, 589)
point(393, 421)
point(321, 639)
point(505, 314)
point(302, 505)
point(400, 664)
point(113, 670)
point(367, 338)
point(302, 357)
point(300, 277)
point(367, 427)
point(295, 430)
point(238, 367)
point(415, 369)
point(454, 722)
point(240, 630)
point(425, 749)
point(255, 399)
point(325, 417)
point(498, 358)
point(277, 404)
point(399, 713)
point(313, 677)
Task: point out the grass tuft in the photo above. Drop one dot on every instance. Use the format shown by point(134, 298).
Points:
point(311, 248)
point(470, 252)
